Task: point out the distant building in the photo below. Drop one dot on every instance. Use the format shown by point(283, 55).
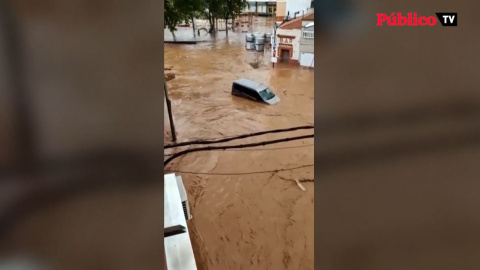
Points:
point(261, 7)
point(307, 41)
point(294, 38)
point(281, 9)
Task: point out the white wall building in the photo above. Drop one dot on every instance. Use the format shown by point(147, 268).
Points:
point(290, 44)
point(307, 42)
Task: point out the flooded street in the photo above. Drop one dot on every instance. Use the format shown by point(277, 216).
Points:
point(248, 212)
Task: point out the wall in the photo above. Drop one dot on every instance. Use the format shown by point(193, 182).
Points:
point(415, 90)
point(307, 44)
point(307, 48)
point(93, 75)
point(85, 53)
point(7, 119)
point(281, 10)
point(295, 42)
point(307, 60)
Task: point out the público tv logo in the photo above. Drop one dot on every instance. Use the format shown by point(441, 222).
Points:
point(412, 19)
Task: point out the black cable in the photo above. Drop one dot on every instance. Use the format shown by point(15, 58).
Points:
point(259, 149)
point(247, 173)
point(209, 148)
point(237, 137)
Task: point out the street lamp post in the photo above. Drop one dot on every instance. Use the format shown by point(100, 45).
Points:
point(275, 27)
point(274, 42)
point(170, 115)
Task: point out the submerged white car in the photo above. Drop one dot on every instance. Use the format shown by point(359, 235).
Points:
point(255, 91)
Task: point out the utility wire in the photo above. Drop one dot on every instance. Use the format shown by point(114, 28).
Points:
point(270, 149)
point(257, 149)
point(237, 137)
point(210, 148)
point(247, 173)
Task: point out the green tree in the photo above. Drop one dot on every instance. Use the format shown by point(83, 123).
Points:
point(237, 8)
point(190, 9)
point(211, 10)
point(230, 9)
point(173, 16)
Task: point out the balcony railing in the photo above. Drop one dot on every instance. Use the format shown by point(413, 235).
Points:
point(308, 34)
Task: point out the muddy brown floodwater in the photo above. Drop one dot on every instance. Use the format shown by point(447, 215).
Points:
point(242, 219)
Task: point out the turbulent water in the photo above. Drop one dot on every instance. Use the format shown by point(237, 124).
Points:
point(243, 219)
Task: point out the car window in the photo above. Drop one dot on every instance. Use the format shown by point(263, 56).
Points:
point(266, 94)
point(240, 88)
point(248, 91)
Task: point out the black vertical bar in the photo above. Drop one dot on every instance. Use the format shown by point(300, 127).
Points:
point(170, 115)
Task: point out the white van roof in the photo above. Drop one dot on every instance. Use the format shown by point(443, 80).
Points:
point(251, 84)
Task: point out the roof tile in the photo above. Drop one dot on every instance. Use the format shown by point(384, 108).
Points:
point(297, 22)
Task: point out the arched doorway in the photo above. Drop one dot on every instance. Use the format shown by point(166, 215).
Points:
point(285, 53)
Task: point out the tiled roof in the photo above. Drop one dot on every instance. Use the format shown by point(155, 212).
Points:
point(297, 22)
point(309, 17)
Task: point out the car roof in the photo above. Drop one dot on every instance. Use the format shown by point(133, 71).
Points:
point(251, 84)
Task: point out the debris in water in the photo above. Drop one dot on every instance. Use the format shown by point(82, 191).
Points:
point(300, 185)
point(254, 65)
point(257, 60)
point(169, 76)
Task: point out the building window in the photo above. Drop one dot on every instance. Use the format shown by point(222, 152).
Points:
point(308, 34)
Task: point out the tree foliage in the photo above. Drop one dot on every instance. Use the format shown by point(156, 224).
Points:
point(177, 11)
point(173, 15)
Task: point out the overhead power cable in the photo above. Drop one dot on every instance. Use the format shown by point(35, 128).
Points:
point(237, 137)
point(247, 173)
point(258, 149)
point(210, 148)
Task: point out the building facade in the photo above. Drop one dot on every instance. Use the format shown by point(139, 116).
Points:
point(289, 42)
point(307, 42)
point(281, 10)
point(288, 45)
point(261, 7)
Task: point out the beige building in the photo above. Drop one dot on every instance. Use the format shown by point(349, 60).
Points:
point(281, 10)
